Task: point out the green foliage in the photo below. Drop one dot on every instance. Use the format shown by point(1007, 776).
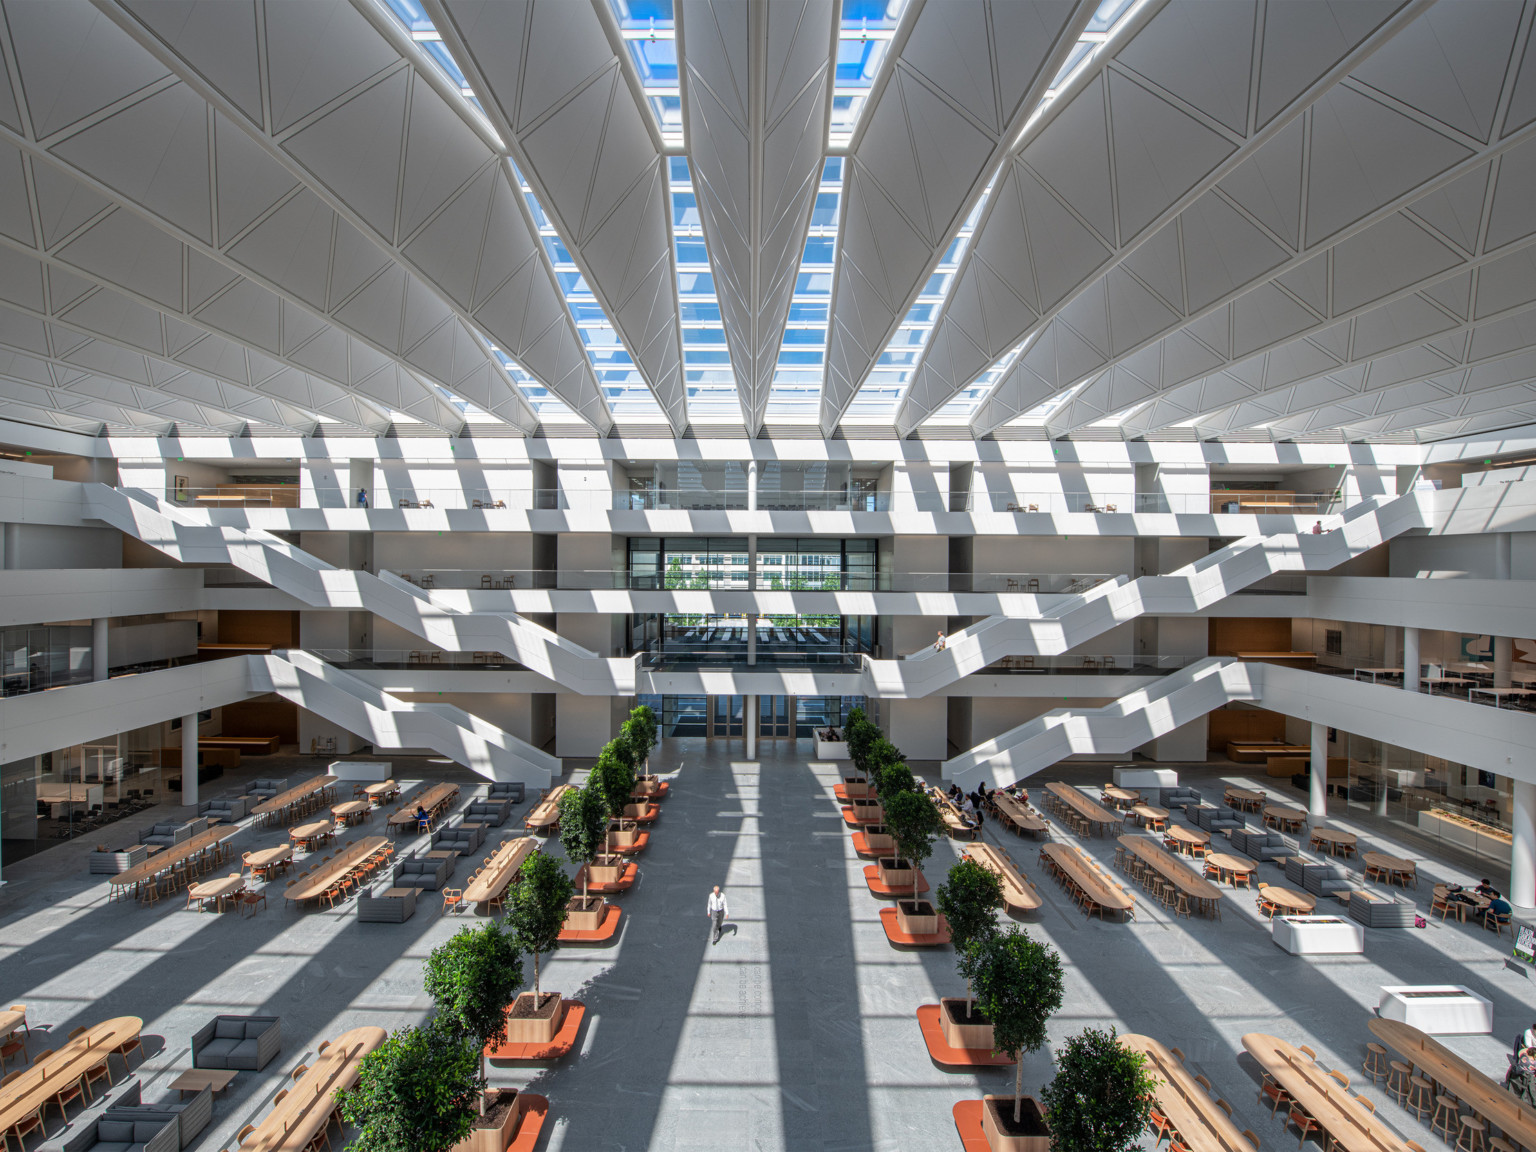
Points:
point(632, 736)
point(645, 720)
point(614, 778)
point(1018, 985)
point(583, 824)
point(536, 906)
point(859, 734)
point(894, 778)
point(416, 1092)
point(472, 978)
point(969, 900)
point(1101, 1096)
point(914, 823)
point(881, 753)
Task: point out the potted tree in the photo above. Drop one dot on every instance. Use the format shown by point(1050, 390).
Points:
point(1017, 981)
point(472, 979)
point(584, 834)
point(536, 908)
point(968, 899)
point(1101, 1096)
point(640, 732)
point(416, 1092)
point(614, 778)
point(914, 824)
point(858, 733)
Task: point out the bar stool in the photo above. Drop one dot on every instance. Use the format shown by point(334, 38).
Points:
point(1447, 1113)
point(1499, 1144)
point(1375, 1065)
point(1421, 1097)
point(1398, 1085)
point(1471, 1138)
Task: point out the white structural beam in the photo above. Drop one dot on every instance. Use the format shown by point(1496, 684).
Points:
point(963, 83)
point(552, 82)
point(1385, 185)
point(757, 90)
point(1196, 94)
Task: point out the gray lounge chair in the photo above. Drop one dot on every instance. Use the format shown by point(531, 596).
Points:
point(420, 872)
point(247, 1043)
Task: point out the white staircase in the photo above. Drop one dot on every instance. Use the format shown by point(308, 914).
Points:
point(1114, 729)
point(389, 722)
point(1078, 619)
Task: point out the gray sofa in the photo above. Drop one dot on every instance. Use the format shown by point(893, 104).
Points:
point(230, 809)
point(420, 872)
point(1377, 911)
point(492, 812)
point(383, 908)
point(191, 1116)
point(124, 1092)
point(1179, 797)
point(264, 789)
point(458, 839)
point(246, 1043)
point(1325, 879)
point(1260, 845)
point(110, 863)
point(509, 790)
point(97, 1130)
point(169, 832)
point(1215, 818)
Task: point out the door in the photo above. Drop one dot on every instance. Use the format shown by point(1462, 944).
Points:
point(776, 716)
point(725, 715)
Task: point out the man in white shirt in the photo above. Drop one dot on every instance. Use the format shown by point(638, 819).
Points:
point(717, 911)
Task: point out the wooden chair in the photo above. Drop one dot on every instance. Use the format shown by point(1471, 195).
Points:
point(1204, 1083)
point(1177, 1055)
point(1225, 1107)
point(102, 1070)
point(298, 1072)
point(1270, 1090)
point(12, 1047)
point(280, 1097)
point(1339, 1076)
point(251, 898)
point(1311, 1055)
point(32, 1122)
point(1251, 1138)
point(1306, 1124)
point(80, 1031)
point(1363, 1102)
point(74, 1090)
point(243, 1133)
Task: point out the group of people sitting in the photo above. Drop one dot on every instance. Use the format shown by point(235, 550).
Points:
point(973, 805)
point(1500, 907)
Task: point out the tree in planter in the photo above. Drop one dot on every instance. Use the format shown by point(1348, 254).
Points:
point(646, 731)
point(1017, 982)
point(472, 978)
point(1101, 1097)
point(914, 824)
point(895, 778)
point(969, 899)
point(881, 753)
point(416, 1092)
point(536, 909)
point(613, 776)
point(583, 827)
point(859, 734)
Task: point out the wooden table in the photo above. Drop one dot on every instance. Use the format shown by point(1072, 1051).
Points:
point(1287, 819)
point(1329, 1103)
point(1019, 816)
point(270, 810)
point(1397, 869)
point(1478, 907)
point(1279, 657)
point(1189, 1107)
point(382, 791)
point(306, 1110)
point(1499, 694)
point(196, 1079)
point(1373, 673)
point(1246, 799)
point(1069, 800)
point(30, 1091)
point(1150, 815)
point(546, 812)
point(1485, 1095)
point(268, 858)
point(435, 799)
point(351, 810)
point(1187, 838)
point(1288, 900)
point(1334, 842)
point(318, 882)
point(175, 854)
point(307, 834)
point(1230, 866)
point(1443, 680)
point(1206, 896)
point(216, 890)
point(1070, 861)
point(1019, 894)
point(12, 1019)
point(1121, 797)
point(500, 869)
point(1243, 751)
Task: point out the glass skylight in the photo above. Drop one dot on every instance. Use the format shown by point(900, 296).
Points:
point(795, 394)
point(706, 360)
point(651, 37)
point(863, 41)
point(425, 34)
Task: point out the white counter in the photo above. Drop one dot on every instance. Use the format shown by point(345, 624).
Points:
point(1495, 847)
point(1146, 778)
point(832, 749)
point(1317, 935)
point(368, 771)
point(1439, 1009)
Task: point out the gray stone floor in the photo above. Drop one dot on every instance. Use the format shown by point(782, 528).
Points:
point(795, 1032)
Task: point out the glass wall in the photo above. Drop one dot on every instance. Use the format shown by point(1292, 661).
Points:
point(692, 562)
point(791, 564)
point(684, 637)
point(45, 656)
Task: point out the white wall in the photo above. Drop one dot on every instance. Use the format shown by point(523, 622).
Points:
point(55, 546)
point(488, 552)
point(1044, 554)
point(583, 724)
point(920, 728)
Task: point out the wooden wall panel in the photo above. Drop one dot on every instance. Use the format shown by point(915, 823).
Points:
point(1237, 724)
point(264, 716)
point(1234, 634)
point(279, 629)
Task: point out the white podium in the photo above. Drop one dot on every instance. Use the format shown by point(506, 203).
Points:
point(366, 771)
point(1439, 1009)
point(1317, 935)
point(1146, 778)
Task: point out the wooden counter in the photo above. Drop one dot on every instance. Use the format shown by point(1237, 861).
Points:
point(1350, 1125)
point(1189, 1107)
point(1019, 894)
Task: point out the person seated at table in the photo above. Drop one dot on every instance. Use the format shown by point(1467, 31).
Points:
point(1487, 889)
point(1456, 894)
point(1500, 909)
point(422, 818)
point(1521, 1079)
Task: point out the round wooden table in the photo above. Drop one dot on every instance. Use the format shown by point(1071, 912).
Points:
point(351, 810)
point(1230, 867)
point(1391, 865)
point(1187, 838)
point(1121, 797)
point(1288, 819)
point(1148, 814)
point(1247, 800)
point(1286, 899)
point(307, 834)
point(1333, 841)
point(1460, 906)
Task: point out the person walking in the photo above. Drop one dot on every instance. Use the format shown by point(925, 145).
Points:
point(362, 497)
point(939, 644)
point(717, 911)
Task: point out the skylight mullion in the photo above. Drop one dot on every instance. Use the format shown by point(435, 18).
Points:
point(707, 370)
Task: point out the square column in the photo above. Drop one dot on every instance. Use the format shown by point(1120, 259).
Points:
point(99, 656)
point(1411, 659)
point(189, 759)
point(1317, 805)
point(1522, 861)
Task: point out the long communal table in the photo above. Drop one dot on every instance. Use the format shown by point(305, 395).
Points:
point(547, 811)
point(38, 1084)
point(304, 1113)
point(1099, 890)
point(1343, 1118)
point(205, 841)
point(281, 807)
point(1018, 893)
point(1189, 1107)
point(500, 869)
point(1019, 816)
point(435, 800)
point(1487, 1097)
point(1196, 893)
point(1069, 799)
point(325, 877)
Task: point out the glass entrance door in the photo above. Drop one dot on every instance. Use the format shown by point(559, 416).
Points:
point(725, 715)
point(685, 715)
point(776, 716)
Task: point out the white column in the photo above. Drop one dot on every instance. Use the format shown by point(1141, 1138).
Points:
point(189, 759)
point(1501, 556)
point(1411, 659)
point(1522, 863)
point(749, 723)
point(1503, 658)
point(99, 648)
point(1317, 806)
point(751, 485)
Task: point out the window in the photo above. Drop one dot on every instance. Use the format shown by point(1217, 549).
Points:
point(1333, 642)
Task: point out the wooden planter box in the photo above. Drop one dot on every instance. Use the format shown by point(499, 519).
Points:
point(636, 811)
point(538, 1029)
point(895, 873)
point(868, 811)
point(497, 1134)
point(1039, 1137)
point(857, 788)
point(585, 915)
point(621, 837)
point(606, 870)
point(917, 917)
point(958, 1034)
point(647, 785)
point(878, 839)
